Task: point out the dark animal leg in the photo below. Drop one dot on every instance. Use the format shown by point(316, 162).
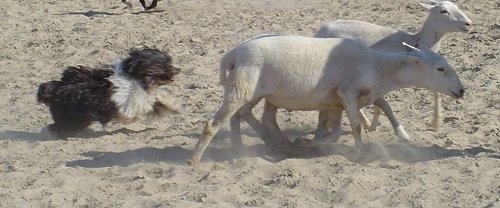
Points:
point(153, 4)
point(129, 5)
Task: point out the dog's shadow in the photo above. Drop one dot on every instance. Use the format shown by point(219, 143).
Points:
point(38, 136)
point(89, 13)
point(176, 155)
point(173, 155)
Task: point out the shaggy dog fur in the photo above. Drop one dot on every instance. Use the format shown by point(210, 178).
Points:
point(143, 3)
point(126, 93)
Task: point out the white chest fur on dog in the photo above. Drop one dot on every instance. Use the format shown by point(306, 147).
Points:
point(134, 102)
point(130, 98)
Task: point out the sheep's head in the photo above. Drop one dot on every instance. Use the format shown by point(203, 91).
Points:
point(447, 17)
point(433, 72)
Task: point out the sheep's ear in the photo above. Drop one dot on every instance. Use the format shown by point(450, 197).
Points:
point(412, 48)
point(434, 2)
point(426, 6)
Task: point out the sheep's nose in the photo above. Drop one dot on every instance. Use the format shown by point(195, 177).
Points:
point(468, 24)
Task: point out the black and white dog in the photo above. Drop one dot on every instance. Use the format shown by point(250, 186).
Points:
point(143, 3)
point(126, 93)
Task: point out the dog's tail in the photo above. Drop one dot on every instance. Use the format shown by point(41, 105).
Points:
point(46, 92)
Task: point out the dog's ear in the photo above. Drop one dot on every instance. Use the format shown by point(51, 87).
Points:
point(146, 62)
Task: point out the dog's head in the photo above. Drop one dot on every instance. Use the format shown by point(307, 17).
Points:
point(151, 66)
point(46, 92)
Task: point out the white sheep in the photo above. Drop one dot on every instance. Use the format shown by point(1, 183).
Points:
point(306, 73)
point(444, 17)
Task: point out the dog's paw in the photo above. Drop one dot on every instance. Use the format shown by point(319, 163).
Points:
point(48, 134)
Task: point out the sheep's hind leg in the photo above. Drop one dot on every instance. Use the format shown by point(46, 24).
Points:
point(269, 121)
point(245, 112)
point(324, 118)
point(350, 102)
point(227, 109)
point(235, 123)
point(375, 120)
point(335, 117)
point(400, 131)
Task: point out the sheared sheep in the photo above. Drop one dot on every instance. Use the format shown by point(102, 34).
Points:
point(305, 73)
point(444, 17)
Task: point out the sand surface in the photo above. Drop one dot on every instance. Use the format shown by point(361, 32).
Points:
point(144, 164)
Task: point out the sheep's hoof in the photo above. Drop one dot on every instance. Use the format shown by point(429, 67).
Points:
point(402, 135)
point(373, 127)
point(436, 124)
point(404, 141)
point(302, 142)
point(193, 161)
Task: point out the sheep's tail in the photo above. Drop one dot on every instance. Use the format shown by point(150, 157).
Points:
point(228, 61)
point(226, 64)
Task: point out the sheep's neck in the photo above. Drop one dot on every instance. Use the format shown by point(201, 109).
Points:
point(428, 38)
point(393, 74)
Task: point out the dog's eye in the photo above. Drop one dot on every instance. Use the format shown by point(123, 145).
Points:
point(444, 12)
point(441, 69)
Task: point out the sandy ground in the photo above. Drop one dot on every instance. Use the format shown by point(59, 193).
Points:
point(144, 164)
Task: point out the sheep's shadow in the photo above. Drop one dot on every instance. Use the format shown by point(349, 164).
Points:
point(178, 155)
point(402, 152)
point(221, 151)
point(39, 136)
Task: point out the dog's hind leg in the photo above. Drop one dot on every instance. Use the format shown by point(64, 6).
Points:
point(67, 123)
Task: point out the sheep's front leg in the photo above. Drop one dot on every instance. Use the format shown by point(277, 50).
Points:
point(269, 121)
point(366, 123)
point(350, 102)
point(400, 131)
point(246, 113)
point(436, 119)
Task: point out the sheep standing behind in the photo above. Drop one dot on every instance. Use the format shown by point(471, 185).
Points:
point(304, 73)
point(444, 17)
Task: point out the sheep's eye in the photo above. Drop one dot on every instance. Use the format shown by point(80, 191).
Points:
point(441, 69)
point(444, 12)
